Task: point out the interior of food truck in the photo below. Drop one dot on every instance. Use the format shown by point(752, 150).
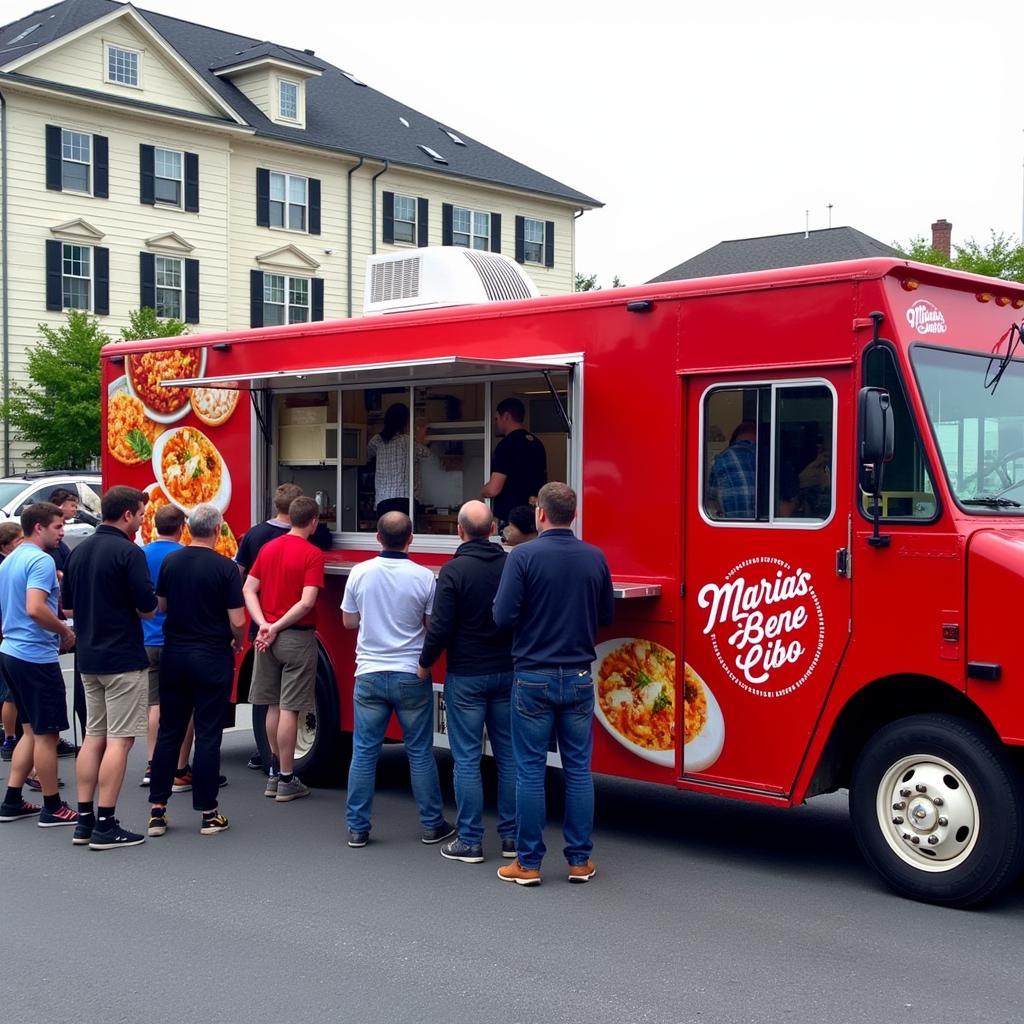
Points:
point(352, 445)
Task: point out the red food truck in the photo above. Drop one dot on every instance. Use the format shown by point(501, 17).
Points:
point(809, 484)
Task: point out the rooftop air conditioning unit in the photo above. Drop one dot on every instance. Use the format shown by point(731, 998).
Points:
point(438, 276)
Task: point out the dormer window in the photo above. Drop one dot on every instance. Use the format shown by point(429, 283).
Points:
point(123, 65)
point(288, 99)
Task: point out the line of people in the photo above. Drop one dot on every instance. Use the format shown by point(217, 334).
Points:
point(517, 630)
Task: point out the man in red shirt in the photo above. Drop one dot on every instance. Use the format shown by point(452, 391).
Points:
point(280, 594)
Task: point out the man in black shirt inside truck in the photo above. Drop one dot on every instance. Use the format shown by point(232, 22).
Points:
point(519, 466)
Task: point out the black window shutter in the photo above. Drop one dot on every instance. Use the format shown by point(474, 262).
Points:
point(389, 218)
point(422, 222)
point(147, 188)
point(191, 291)
point(255, 298)
point(192, 182)
point(317, 310)
point(54, 287)
point(314, 206)
point(53, 160)
point(520, 239)
point(446, 223)
point(262, 197)
point(147, 280)
point(495, 232)
point(549, 243)
point(100, 167)
point(101, 280)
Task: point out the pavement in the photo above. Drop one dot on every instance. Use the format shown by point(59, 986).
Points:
point(703, 910)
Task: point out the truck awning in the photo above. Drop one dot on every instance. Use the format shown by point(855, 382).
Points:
point(399, 371)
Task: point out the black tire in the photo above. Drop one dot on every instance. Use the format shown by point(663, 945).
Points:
point(967, 818)
point(325, 762)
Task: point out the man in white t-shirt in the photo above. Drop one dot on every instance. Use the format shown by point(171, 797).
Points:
point(389, 599)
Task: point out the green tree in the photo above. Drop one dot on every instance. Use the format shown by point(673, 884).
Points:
point(58, 411)
point(1002, 256)
point(144, 323)
point(586, 283)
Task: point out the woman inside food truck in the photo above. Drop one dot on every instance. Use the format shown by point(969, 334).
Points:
point(389, 451)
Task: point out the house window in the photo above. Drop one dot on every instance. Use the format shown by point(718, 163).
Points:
point(471, 228)
point(285, 300)
point(169, 287)
point(76, 161)
point(533, 241)
point(405, 219)
point(288, 100)
point(76, 276)
point(122, 66)
point(287, 201)
point(167, 176)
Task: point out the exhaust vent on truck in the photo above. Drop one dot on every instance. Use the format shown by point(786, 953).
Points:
point(395, 280)
point(432, 277)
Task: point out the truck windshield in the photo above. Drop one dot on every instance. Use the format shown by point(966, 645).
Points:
point(979, 430)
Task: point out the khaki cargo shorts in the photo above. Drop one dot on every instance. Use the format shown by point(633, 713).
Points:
point(116, 704)
point(285, 673)
point(153, 653)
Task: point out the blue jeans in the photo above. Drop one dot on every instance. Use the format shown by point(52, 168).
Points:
point(562, 699)
point(472, 702)
point(377, 694)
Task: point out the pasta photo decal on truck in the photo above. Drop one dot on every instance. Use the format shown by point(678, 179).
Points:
point(765, 624)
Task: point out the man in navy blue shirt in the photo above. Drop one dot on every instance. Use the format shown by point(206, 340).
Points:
point(554, 594)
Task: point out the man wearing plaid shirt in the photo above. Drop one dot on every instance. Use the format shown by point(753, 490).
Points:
point(734, 474)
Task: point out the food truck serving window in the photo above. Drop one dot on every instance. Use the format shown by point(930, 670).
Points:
point(767, 454)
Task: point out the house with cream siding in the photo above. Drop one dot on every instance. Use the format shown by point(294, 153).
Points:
point(227, 181)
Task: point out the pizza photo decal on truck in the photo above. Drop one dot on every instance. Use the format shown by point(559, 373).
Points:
point(765, 624)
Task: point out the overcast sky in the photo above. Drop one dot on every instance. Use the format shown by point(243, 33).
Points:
point(693, 124)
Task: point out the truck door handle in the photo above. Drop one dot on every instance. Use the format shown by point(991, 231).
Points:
point(843, 562)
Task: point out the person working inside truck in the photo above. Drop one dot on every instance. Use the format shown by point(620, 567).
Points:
point(389, 450)
point(519, 466)
point(734, 474)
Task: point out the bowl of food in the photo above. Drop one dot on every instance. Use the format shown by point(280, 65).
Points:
point(146, 370)
point(190, 470)
point(130, 433)
point(635, 701)
point(214, 406)
point(227, 543)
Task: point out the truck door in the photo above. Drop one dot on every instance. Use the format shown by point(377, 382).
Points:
point(767, 609)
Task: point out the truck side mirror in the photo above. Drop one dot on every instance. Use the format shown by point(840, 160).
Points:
point(875, 437)
point(875, 441)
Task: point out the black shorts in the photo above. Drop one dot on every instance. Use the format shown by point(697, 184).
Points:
point(38, 694)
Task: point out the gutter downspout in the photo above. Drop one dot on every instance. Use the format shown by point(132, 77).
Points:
point(6, 283)
point(348, 258)
point(373, 208)
point(572, 270)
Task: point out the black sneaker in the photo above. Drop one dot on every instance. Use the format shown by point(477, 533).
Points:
point(468, 853)
point(436, 835)
point(7, 748)
point(65, 749)
point(114, 838)
point(62, 816)
point(255, 763)
point(15, 812)
point(357, 839)
point(508, 847)
point(84, 829)
point(37, 787)
point(211, 826)
point(222, 781)
point(157, 822)
point(146, 775)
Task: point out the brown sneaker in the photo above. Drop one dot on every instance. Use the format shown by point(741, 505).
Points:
point(582, 872)
point(515, 872)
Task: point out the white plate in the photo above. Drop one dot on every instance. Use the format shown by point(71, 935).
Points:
point(223, 495)
point(118, 386)
point(166, 417)
point(703, 750)
point(662, 757)
point(698, 755)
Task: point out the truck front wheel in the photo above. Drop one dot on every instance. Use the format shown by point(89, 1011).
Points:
point(934, 802)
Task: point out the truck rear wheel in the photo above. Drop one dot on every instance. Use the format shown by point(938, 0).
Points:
point(322, 751)
point(934, 807)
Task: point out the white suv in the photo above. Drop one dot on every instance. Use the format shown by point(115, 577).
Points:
point(18, 491)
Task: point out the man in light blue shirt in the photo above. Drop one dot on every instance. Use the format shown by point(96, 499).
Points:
point(30, 652)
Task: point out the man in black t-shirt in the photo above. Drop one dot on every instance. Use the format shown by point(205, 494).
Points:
point(519, 465)
point(201, 593)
